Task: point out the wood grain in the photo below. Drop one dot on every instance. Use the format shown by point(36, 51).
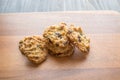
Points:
point(102, 62)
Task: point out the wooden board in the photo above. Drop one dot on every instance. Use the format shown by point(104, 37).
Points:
point(102, 62)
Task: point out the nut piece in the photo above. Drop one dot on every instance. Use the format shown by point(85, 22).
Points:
point(33, 48)
point(78, 38)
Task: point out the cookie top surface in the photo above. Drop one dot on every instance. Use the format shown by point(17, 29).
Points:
point(33, 47)
point(31, 43)
point(78, 38)
point(56, 35)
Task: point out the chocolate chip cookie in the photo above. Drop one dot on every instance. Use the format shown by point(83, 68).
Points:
point(33, 47)
point(57, 41)
point(78, 38)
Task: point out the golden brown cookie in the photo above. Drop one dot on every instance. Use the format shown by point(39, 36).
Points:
point(78, 38)
point(33, 48)
point(57, 41)
point(64, 54)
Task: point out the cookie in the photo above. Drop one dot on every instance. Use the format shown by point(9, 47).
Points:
point(78, 38)
point(57, 41)
point(33, 47)
point(56, 49)
point(64, 54)
point(37, 57)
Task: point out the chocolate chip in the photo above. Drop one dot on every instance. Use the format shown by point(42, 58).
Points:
point(58, 35)
point(69, 31)
point(20, 42)
point(49, 40)
point(79, 38)
point(57, 45)
point(65, 42)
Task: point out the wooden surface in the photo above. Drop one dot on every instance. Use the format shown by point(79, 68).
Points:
point(10, 6)
point(102, 62)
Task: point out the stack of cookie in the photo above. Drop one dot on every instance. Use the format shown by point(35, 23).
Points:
point(58, 41)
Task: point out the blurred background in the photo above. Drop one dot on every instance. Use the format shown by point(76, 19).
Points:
point(13, 6)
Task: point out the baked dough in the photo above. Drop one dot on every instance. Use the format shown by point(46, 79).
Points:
point(78, 38)
point(57, 41)
point(33, 47)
